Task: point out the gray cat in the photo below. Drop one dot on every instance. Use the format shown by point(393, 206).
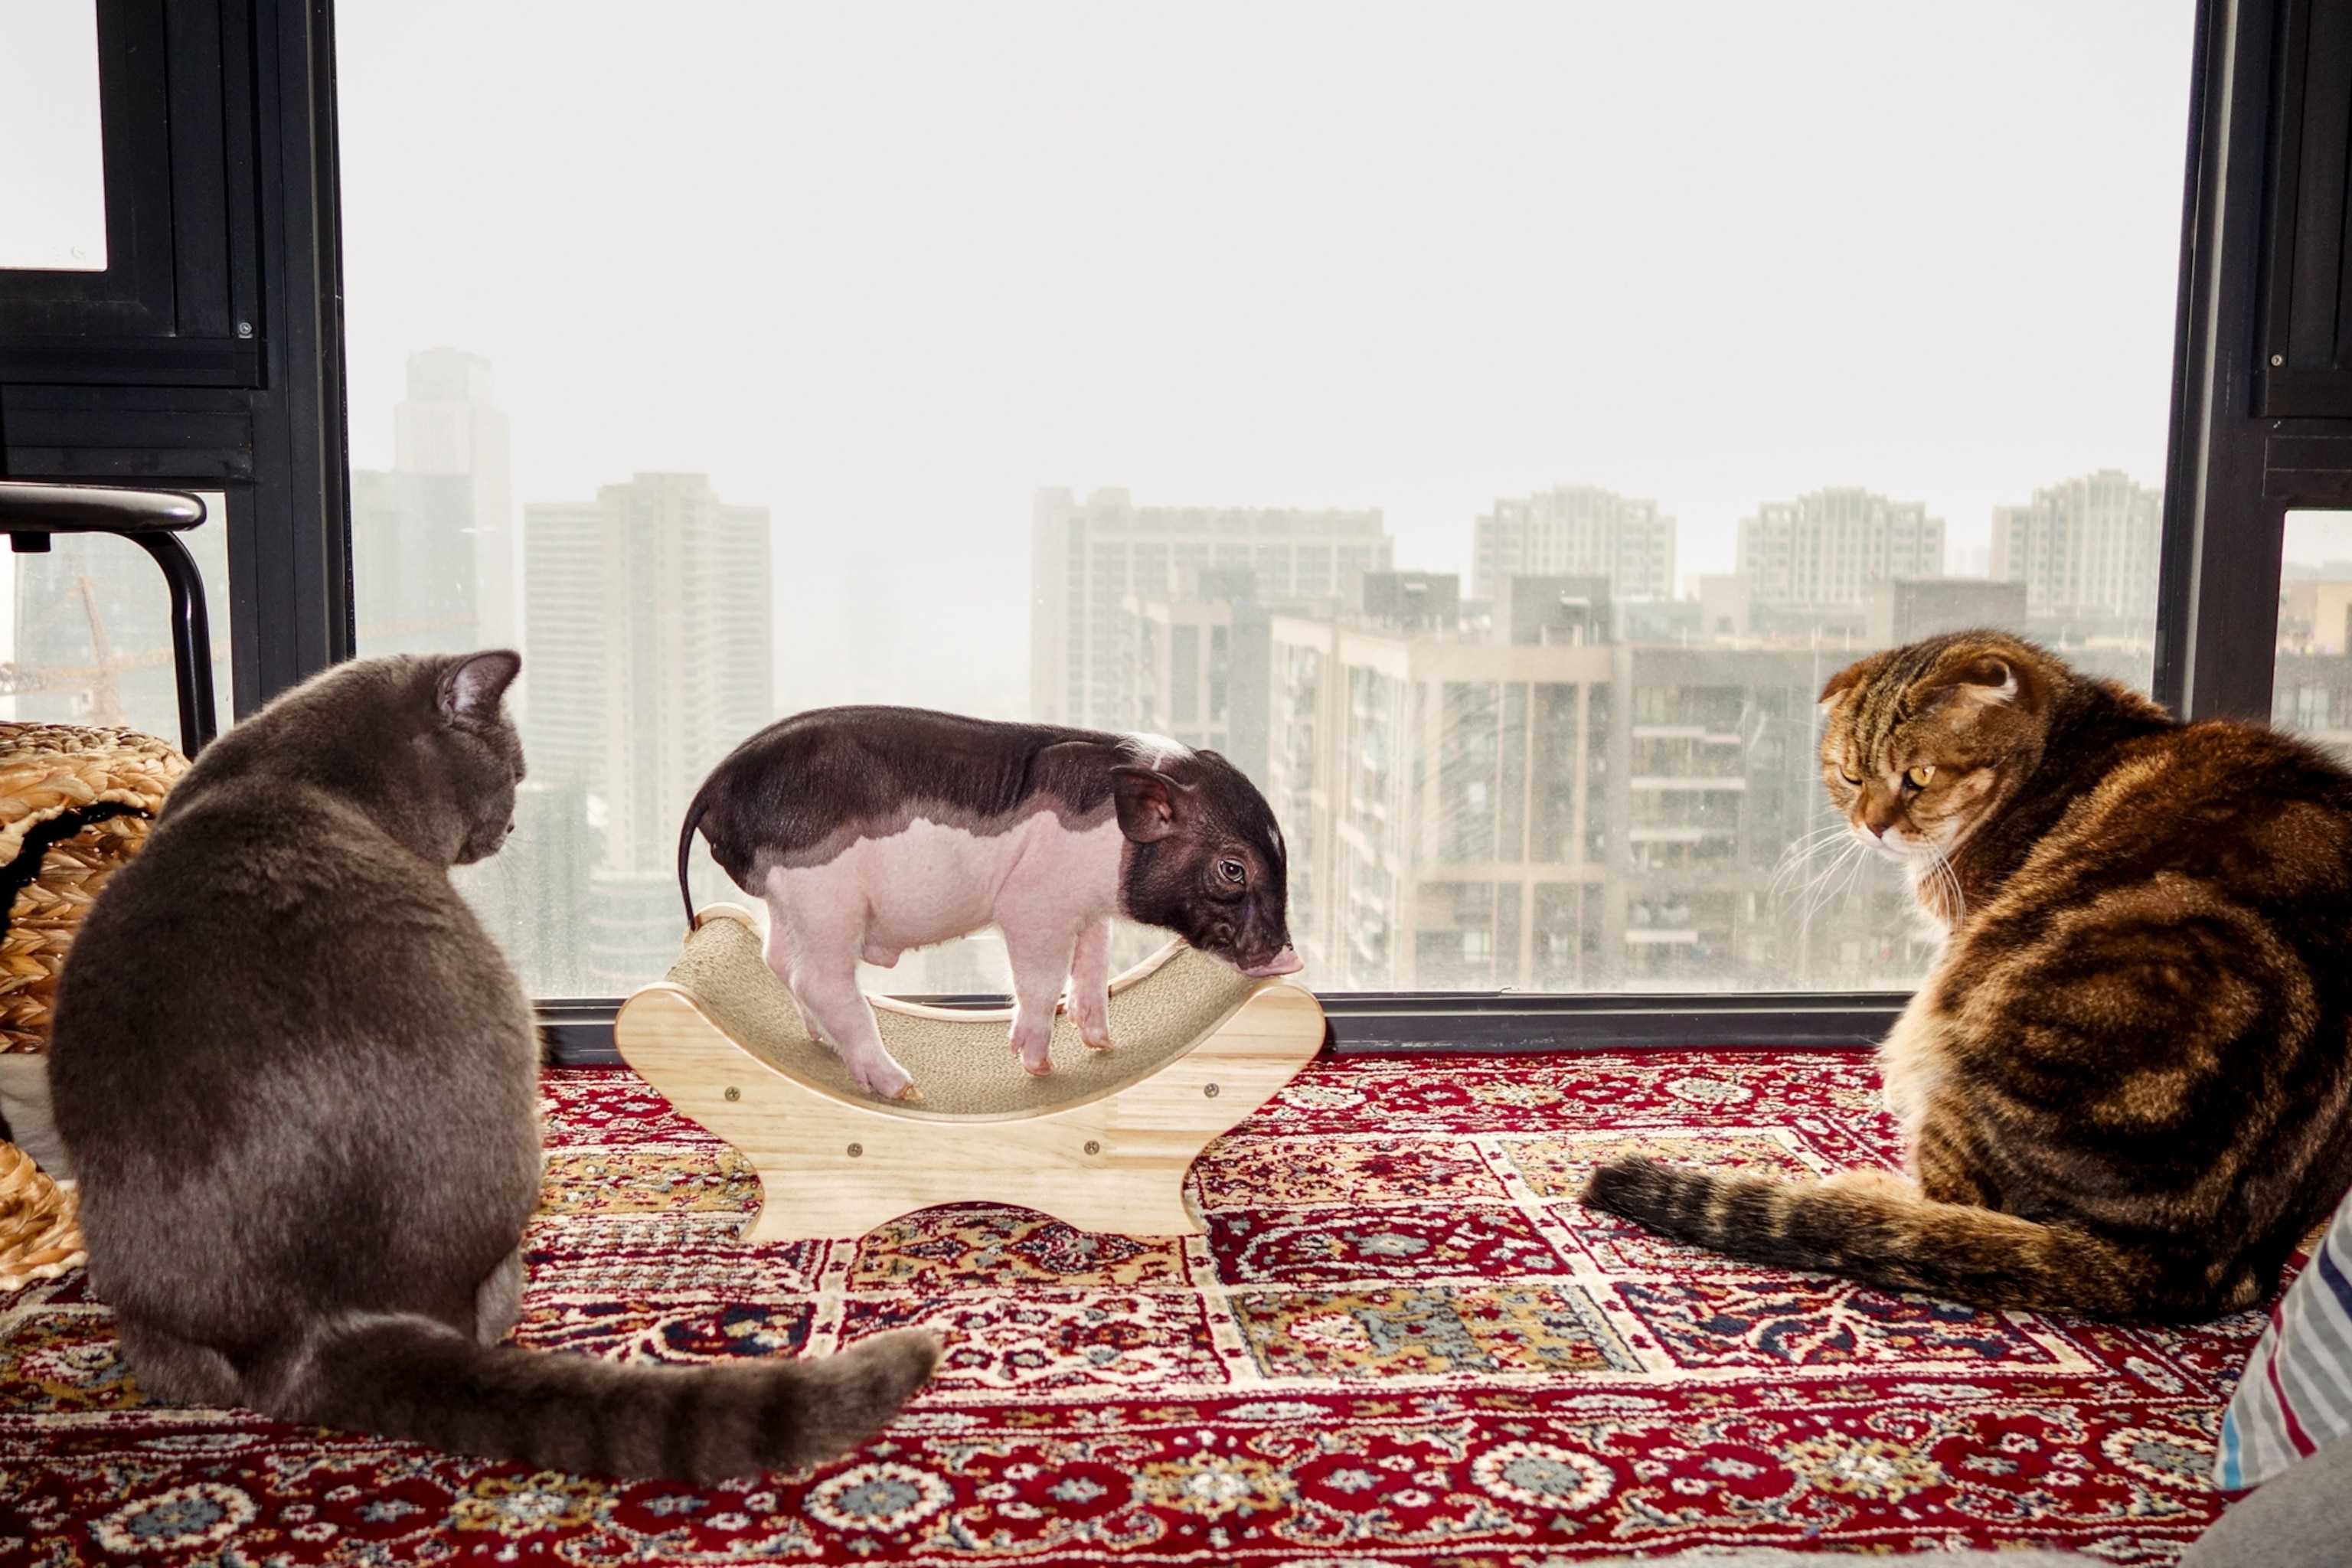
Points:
point(299, 1087)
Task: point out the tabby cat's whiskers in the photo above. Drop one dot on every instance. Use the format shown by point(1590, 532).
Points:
point(1830, 879)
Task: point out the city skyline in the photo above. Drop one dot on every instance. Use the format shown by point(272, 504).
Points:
point(1651, 525)
point(1565, 781)
point(1586, 773)
point(1567, 526)
point(1505, 834)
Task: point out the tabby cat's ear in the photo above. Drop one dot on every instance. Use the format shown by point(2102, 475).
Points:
point(1989, 680)
point(1844, 682)
point(472, 689)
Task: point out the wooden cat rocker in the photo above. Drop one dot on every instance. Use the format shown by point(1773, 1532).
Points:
point(1103, 1142)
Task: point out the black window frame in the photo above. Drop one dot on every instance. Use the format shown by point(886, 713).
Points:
point(216, 360)
point(209, 355)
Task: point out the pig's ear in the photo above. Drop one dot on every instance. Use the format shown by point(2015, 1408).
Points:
point(1147, 803)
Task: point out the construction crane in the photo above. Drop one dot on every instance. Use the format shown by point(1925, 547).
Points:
point(100, 682)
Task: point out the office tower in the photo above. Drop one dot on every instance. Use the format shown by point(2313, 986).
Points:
point(1825, 548)
point(651, 636)
point(2085, 547)
point(1086, 558)
point(433, 538)
point(1576, 531)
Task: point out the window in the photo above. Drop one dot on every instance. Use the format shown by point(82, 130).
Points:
point(89, 625)
point(2310, 690)
point(1490, 429)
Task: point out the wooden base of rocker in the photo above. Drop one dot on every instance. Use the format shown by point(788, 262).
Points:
point(1103, 1142)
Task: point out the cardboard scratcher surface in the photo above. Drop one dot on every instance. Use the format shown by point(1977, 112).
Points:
point(962, 1065)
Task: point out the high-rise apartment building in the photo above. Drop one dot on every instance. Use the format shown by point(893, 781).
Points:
point(433, 538)
point(1827, 548)
point(1576, 531)
point(2084, 548)
point(1088, 557)
point(651, 637)
point(1440, 814)
point(1468, 812)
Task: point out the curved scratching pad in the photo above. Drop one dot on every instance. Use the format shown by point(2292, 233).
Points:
point(1102, 1143)
point(960, 1057)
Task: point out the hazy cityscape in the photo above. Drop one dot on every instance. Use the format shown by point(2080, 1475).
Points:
point(1007, 318)
point(1576, 770)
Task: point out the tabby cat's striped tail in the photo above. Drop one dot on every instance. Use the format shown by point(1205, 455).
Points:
point(1875, 1227)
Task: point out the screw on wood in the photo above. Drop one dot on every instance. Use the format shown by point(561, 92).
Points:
point(1093, 1147)
point(734, 1094)
point(1211, 1091)
point(856, 1149)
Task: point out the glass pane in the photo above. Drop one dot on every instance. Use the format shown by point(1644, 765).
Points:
point(91, 627)
point(1490, 429)
point(2311, 687)
point(52, 159)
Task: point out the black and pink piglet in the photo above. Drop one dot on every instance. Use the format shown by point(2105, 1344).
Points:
point(869, 831)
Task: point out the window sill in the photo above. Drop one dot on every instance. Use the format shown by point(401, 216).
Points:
point(1489, 1023)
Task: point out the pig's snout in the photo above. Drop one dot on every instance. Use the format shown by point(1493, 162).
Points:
point(1283, 962)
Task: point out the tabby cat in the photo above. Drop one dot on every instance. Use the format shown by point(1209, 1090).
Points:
point(299, 1087)
point(2126, 1090)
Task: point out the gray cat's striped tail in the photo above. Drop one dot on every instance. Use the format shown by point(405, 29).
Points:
point(1876, 1228)
point(409, 1377)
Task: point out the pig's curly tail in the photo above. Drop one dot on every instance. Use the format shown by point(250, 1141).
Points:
point(694, 815)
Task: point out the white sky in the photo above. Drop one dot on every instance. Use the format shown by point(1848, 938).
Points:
point(52, 159)
point(888, 269)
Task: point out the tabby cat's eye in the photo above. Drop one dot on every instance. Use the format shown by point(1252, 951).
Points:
point(1849, 778)
point(1921, 775)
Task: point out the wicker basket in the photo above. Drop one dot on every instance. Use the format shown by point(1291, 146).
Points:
point(39, 1237)
point(76, 801)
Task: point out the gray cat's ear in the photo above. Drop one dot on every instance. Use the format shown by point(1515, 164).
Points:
point(472, 689)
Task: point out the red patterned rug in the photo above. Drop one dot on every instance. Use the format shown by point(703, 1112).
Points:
point(1401, 1343)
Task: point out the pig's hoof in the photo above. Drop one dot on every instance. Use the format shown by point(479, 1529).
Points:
point(1094, 1045)
point(909, 1095)
point(1043, 1069)
point(881, 1087)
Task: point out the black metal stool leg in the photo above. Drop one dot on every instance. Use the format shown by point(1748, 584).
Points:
point(191, 638)
point(31, 511)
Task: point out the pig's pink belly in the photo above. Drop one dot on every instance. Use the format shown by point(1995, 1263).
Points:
point(932, 882)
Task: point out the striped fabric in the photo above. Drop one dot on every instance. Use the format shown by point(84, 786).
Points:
point(2296, 1394)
